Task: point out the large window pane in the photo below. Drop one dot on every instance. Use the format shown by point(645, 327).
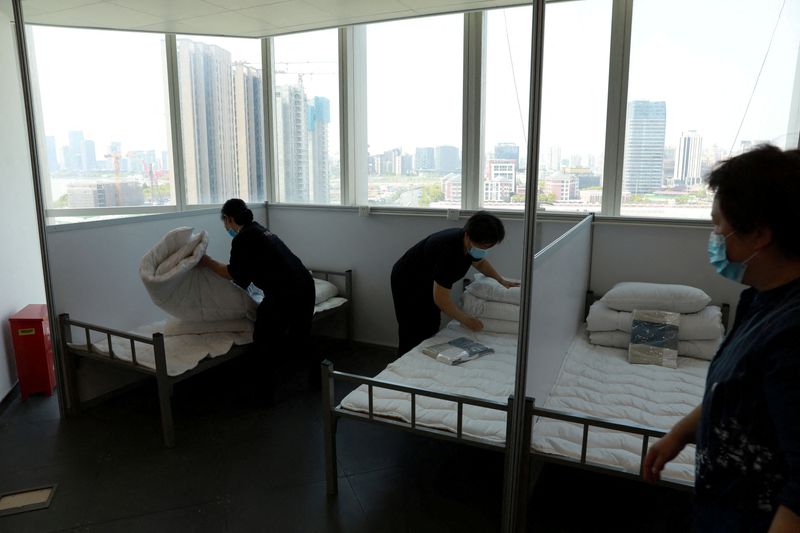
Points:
point(104, 118)
point(307, 117)
point(689, 95)
point(414, 88)
point(574, 99)
point(222, 119)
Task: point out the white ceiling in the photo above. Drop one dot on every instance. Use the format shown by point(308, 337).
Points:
point(242, 18)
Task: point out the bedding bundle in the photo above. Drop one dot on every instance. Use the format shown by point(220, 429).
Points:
point(699, 326)
point(188, 293)
point(494, 305)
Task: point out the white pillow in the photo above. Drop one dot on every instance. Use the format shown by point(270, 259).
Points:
point(179, 255)
point(630, 295)
point(325, 290)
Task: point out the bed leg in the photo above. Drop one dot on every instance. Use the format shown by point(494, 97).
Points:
point(70, 371)
point(165, 403)
point(329, 422)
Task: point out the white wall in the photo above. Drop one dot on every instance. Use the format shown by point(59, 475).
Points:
point(22, 281)
point(340, 239)
point(95, 267)
point(658, 254)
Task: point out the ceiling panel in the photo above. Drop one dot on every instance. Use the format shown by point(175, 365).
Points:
point(246, 18)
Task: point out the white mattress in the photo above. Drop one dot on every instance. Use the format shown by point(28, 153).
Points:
point(330, 303)
point(594, 381)
point(599, 381)
point(184, 352)
point(488, 377)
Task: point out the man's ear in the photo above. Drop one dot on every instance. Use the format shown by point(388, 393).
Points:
point(762, 237)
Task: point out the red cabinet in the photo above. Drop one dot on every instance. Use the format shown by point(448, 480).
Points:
point(30, 331)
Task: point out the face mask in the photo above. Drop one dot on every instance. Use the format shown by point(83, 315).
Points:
point(232, 232)
point(718, 257)
point(477, 253)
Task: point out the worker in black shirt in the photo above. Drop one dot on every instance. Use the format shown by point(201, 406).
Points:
point(423, 277)
point(283, 319)
point(747, 428)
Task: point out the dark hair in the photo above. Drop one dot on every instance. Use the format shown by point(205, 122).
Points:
point(485, 228)
point(760, 189)
point(238, 211)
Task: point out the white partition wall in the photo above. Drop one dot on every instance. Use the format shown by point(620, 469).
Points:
point(558, 302)
point(22, 280)
point(95, 266)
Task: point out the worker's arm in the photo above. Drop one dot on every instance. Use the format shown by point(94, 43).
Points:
point(441, 297)
point(485, 267)
point(784, 520)
point(669, 446)
point(217, 267)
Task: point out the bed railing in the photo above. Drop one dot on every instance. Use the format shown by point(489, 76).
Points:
point(331, 414)
point(593, 422)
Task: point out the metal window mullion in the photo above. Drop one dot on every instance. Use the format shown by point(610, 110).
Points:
point(173, 86)
point(270, 128)
point(618, 70)
point(474, 97)
point(353, 114)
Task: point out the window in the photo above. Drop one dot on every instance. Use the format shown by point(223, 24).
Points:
point(689, 96)
point(306, 117)
point(104, 118)
point(574, 99)
point(414, 90)
point(222, 119)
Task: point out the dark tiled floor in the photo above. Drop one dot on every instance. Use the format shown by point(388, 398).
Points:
point(242, 466)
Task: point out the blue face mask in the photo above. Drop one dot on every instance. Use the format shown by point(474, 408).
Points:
point(718, 257)
point(477, 253)
point(232, 232)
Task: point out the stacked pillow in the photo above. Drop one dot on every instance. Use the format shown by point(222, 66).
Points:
point(494, 305)
point(700, 328)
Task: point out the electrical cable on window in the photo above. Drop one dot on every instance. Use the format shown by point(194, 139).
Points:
point(758, 77)
point(514, 78)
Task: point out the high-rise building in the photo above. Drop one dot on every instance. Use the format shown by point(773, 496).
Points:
point(645, 128)
point(499, 180)
point(73, 153)
point(447, 159)
point(104, 193)
point(509, 151)
point(424, 160)
point(319, 118)
point(207, 122)
point(248, 99)
point(89, 156)
point(292, 149)
point(689, 159)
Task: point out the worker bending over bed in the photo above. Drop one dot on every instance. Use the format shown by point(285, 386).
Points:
point(423, 277)
point(283, 319)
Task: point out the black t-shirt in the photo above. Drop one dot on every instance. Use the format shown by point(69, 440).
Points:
point(748, 441)
point(439, 257)
point(261, 258)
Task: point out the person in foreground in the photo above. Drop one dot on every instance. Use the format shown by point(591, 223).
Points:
point(283, 319)
point(423, 277)
point(747, 428)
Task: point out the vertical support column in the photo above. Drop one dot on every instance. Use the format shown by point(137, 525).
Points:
point(616, 110)
point(176, 139)
point(268, 96)
point(353, 116)
point(329, 427)
point(516, 452)
point(473, 106)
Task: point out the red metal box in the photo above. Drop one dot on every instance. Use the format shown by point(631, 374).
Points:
point(30, 332)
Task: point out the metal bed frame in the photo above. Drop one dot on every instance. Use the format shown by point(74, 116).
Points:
point(165, 382)
point(332, 413)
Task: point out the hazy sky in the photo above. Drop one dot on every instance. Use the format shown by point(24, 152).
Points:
point(701, 57)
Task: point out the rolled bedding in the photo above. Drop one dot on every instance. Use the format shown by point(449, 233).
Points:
point(175, 284)
point(704, 325)
point(703, 349)
point(489, 309)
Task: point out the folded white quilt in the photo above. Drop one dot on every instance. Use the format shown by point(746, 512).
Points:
point(491, 290)
point(703, 325)
point(170, 274)
point(487, 309)
point(492, 325)
point(620, 339)
point(183, 352)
